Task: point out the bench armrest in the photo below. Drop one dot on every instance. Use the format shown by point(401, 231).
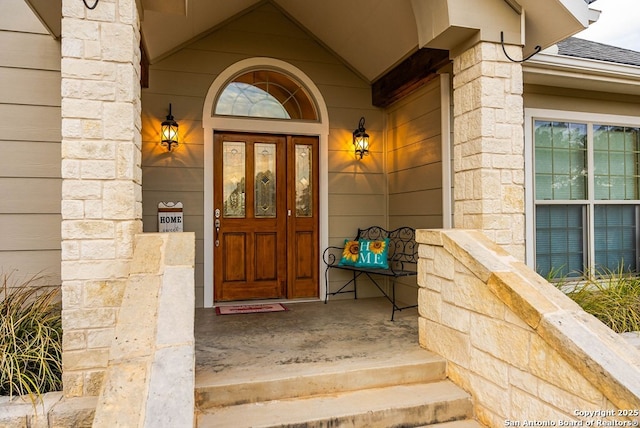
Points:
point(332, 255)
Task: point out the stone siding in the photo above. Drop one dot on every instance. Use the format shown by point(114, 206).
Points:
point(101, 189)
point(150, 376)
point(523, 349)
point(488, 151)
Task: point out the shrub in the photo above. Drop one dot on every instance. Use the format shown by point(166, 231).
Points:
point(611, 296)
point(30, 337)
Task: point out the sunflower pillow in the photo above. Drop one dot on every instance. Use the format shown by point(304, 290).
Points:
point(350, 253)
point(373, 254)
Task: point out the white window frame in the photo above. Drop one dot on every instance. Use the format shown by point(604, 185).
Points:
point(530, 116)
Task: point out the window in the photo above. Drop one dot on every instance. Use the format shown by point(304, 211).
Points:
point(586, 193)
point(267, 94)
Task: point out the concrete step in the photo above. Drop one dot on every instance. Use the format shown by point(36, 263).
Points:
point(229, 388)
point(391, 406)
point(466, 423)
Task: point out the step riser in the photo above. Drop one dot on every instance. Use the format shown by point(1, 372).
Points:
point(410, 417)
point(329, 383)
point(434, 413)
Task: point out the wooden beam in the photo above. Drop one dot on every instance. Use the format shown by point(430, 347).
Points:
point(408, 76)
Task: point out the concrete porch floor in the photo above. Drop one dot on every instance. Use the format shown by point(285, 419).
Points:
point(309, 338)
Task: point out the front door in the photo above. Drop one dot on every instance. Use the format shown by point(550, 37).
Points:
point(266, 216)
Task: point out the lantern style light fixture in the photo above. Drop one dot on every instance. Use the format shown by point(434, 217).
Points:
point(361, 140)
point(169, 132)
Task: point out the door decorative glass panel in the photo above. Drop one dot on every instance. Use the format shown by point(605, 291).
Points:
point(265, 180)
point(234, 179)
point(304, 180)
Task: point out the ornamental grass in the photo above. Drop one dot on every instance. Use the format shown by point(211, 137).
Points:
point(611, 296)
point(30, 337)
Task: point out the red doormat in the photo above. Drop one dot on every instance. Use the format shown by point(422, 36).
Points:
point(250, 309)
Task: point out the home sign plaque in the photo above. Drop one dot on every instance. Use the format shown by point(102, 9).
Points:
point(170, 217)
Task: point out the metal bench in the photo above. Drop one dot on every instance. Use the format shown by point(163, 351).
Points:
point(402, 258)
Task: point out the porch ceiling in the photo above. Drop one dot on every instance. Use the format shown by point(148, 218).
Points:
point(372, 36)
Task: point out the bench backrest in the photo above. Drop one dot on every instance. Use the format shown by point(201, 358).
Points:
point(402, 243)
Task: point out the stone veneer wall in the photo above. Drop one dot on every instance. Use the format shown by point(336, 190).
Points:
point(488, 148)
point(101, 187)
point(150, 378)
point(524, 350)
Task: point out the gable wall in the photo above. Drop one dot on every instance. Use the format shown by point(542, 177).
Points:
point(30, 179)
point(357, 194)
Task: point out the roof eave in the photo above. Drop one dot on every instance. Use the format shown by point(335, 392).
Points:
point(549, 21)
point(582, 73)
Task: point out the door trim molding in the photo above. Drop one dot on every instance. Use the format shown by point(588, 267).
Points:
point(212, 124)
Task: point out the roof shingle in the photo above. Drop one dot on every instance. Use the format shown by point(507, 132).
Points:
point(581, 48)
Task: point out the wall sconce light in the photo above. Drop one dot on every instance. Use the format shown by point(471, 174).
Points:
point(361, 140)
point(169, 131)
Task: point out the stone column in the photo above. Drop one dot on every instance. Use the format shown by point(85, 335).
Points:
point(489, 145)
point(101, 186)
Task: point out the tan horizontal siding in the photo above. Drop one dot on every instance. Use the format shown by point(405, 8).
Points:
point(23, 264)
point(250, 40)
point(414, 167)
point(355, 205)
point(425, 202)
point(30, 159)
point(199, 287)
point(342, 227)
point(423, 152)
point(423, 177)
point(30, 87)
point(173, 180)
point(30, 183)
point(175, 83)
point(30, 195)
point(20, 232)
point(267, 21)
point(30, 123)
point(415, 106)
point(421, 221)
point(29, 51)
point(348, 183)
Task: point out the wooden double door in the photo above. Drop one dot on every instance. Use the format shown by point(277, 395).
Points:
point(265, 216)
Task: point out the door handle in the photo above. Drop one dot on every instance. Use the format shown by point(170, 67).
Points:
point(217, 226)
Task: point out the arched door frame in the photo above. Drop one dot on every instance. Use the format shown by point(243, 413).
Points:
point(211, 123)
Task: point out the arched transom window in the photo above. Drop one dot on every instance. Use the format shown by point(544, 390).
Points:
point(268, 94)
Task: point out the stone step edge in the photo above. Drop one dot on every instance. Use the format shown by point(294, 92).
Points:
point(406, 405)
point(465, 423)
point(331, 382)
